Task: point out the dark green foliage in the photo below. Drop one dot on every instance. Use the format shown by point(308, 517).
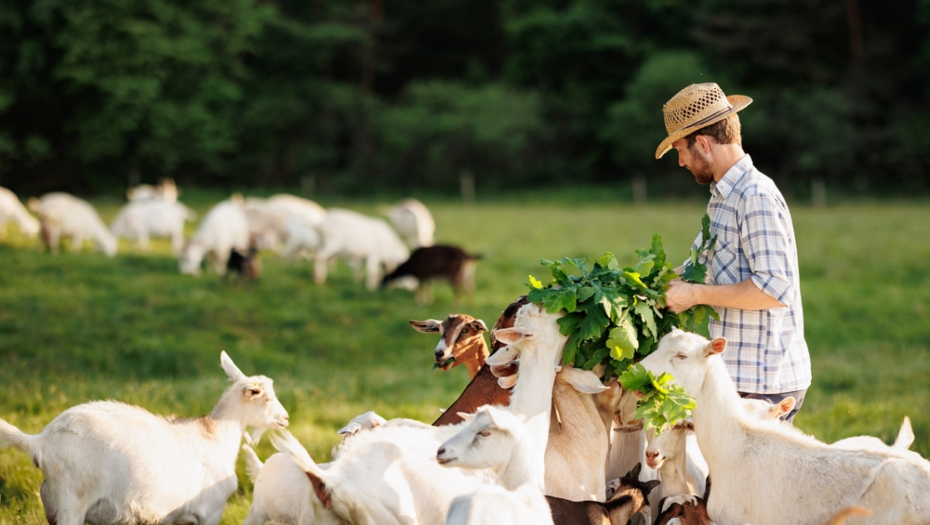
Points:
point(96, 94)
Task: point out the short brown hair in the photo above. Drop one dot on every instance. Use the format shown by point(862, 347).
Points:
point(726, 131)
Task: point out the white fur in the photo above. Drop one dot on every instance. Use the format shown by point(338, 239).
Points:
point(283, 493)
point(751, 460)
point(497, 439)
point(390, 475)
point(302, 238)
point(413, 223)
point(358, 238)
point(224, 228)
point(65, 215)
point(11, 210)
point(106, 462)
point(141, 219)
point(166, 191)
point(269, 218)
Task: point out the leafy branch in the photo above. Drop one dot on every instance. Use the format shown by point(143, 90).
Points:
point(616, 315)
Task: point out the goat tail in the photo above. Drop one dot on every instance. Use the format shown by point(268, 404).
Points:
point(11, 436)
point(253, 465)
point(905, 435)
point(286, 443)
point(840, 517)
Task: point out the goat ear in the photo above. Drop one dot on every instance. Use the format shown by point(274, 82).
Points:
point(583, 381)
point(510, 336)
point(253, 391)
point(229, 367)
point(649, 485)
point(430, 326)
point(783, 407)
point(479, 325)
point(507, 381)
point(634, 472)
point(715, 347)
point(686, 424)
point(321, 490)
point(466, 416)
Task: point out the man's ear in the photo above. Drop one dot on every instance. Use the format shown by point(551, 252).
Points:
point(705, 143)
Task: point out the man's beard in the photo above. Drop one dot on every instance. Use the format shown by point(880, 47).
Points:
point(702, 168)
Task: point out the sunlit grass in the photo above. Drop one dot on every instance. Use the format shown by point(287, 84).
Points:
point(78, 327)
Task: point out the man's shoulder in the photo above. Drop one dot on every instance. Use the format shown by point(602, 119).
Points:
point(757, 184)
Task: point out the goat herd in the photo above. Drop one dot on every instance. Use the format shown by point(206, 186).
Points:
point(231, 234)
point(529, 441)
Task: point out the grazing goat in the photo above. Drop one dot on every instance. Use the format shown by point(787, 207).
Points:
point(498, 440)
point(106, 462)
point(13, 210)
point(413, 223)
point(166, 191)
point(440, 262)
point(389, 476)
point(247, 266)
point(460, 341)
point(142, 219)
point(222, 230)
point(282, 492)
point(901, 443)
point(358, 239)
point(750, 460)
point(62, 214)
point(630, 497)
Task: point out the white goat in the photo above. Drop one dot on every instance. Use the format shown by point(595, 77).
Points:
point(141, 219)
point(751, 460)
point(358, 238)
point(62, 214)
point(413, 223)
point(390, 475)
point(11, 210)
point(282, 490)
point(269, 218)
point(106, 462)
point(678, 461)
point(166, 191)
point(302, 238)
point(223, 229)
point(497, 439)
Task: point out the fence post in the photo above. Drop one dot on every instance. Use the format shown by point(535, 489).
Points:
point(467, 184)
point(308, 185)
point(639, 190)
point(818, 193)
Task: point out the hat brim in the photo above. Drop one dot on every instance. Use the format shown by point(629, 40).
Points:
point(739, 102)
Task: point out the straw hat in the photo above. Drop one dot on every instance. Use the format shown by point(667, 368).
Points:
point(695, 107)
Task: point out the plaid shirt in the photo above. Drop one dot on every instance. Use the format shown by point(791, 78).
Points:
point(766, 352)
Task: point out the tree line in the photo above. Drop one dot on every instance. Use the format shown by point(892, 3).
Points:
point(351, 96)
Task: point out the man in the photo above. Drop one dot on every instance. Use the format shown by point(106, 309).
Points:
point(752, 271)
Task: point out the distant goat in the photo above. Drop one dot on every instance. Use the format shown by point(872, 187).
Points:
point(413, 223)
point(247, 266)
point(64, 215)
point(13, 210)
point(166, 191)
point(139, 220)
point(224, 228)
point(440, 262)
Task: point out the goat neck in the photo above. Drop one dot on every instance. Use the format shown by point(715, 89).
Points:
point(717, 416)
point(523, 467)
point(473, 355)
point(225, 424)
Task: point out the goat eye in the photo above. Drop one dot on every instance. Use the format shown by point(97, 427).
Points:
point(484, 433)
point(681, 356)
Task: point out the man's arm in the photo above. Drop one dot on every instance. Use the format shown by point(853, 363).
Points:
point(744, 295)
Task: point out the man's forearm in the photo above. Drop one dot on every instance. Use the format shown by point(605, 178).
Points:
point(744, 295)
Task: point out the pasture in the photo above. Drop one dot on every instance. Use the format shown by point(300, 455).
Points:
point(79, 327)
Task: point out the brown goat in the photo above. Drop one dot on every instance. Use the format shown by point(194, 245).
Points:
point(461, 342)
point(631, 496)
point(484, 388)
point(439, 262)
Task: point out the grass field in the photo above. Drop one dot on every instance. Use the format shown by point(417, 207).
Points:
point(79, 327)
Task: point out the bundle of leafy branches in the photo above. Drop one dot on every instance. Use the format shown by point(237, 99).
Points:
point(616, 316)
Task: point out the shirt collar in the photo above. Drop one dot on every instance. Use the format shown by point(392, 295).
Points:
point(724, 186)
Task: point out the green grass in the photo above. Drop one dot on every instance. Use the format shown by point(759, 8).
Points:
point(78, 327)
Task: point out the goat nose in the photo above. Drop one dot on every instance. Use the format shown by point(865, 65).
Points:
point(652, 455)
point(441, 451)
point(439, 354)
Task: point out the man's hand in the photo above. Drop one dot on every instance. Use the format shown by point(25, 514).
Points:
point(680, 296)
